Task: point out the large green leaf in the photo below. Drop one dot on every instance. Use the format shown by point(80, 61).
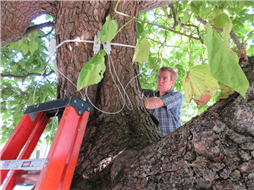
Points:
point(140, 28)
point(33, 46)
point(226, 30)
point(25, 48)
point(141, 51)
point(222, 64)
point(92, 72)
point(108, 30)
point(220, 20)
point(199, 85)
point(186, 17)
point(204, 11)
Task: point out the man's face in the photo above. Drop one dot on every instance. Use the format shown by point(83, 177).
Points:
point(164, 81)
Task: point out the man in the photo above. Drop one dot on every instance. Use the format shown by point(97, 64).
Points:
point(165, 104)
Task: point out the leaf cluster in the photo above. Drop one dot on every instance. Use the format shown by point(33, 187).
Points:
point(177, 35)
point(26, 78)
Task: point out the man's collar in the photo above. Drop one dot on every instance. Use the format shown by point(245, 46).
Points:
point(157, 93)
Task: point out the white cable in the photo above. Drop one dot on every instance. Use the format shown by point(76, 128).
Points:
point(39, 82)
point(69, 81)
point(110, 61)
point(124, 45)
point(88, 41)
point(75, 40)
point(126, 93)
point(124, 89)
point(124, 103)
point(100, 109)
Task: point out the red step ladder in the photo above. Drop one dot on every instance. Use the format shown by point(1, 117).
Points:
point(58, 167)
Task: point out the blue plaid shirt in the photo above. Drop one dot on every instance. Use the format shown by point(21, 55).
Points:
point(169, 115)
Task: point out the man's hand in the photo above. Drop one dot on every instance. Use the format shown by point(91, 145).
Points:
point(152, 103)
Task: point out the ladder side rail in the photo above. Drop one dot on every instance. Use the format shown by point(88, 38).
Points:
point(70, 166)
point(28, 149)
point(50, 177)
point(17, 141)
point(35, 137)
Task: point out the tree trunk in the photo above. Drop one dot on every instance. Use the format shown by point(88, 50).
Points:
point(107, 134)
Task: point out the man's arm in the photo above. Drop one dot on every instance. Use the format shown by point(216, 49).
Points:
point(152, 103)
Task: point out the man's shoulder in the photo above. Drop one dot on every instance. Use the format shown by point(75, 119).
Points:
point(174, 93)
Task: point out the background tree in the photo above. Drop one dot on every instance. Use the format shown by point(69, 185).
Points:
point(195, 156)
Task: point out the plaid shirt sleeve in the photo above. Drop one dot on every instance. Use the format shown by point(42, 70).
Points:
point(172, 100)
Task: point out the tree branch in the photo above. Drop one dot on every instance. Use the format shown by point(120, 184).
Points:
point(47, 33)
point(173, 13)
point(177, 32)
point(152, 4)
point(250, 35)
point(28, 75)
point(38, 27)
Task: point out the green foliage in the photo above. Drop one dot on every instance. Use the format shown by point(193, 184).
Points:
point(221, 20)
point(177, 40)
point(92, 72)
point(108, 30)
point(22, 65)
point(141, 51)
point(223, 65)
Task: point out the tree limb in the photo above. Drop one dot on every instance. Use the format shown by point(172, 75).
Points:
point(152, 4)
point(173, 13)
point(47, 33)
point(38, 27)
point(250, 35)
point(177, 32)
point(28, 75)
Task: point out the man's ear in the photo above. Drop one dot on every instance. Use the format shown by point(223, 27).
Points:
point(173, 82)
